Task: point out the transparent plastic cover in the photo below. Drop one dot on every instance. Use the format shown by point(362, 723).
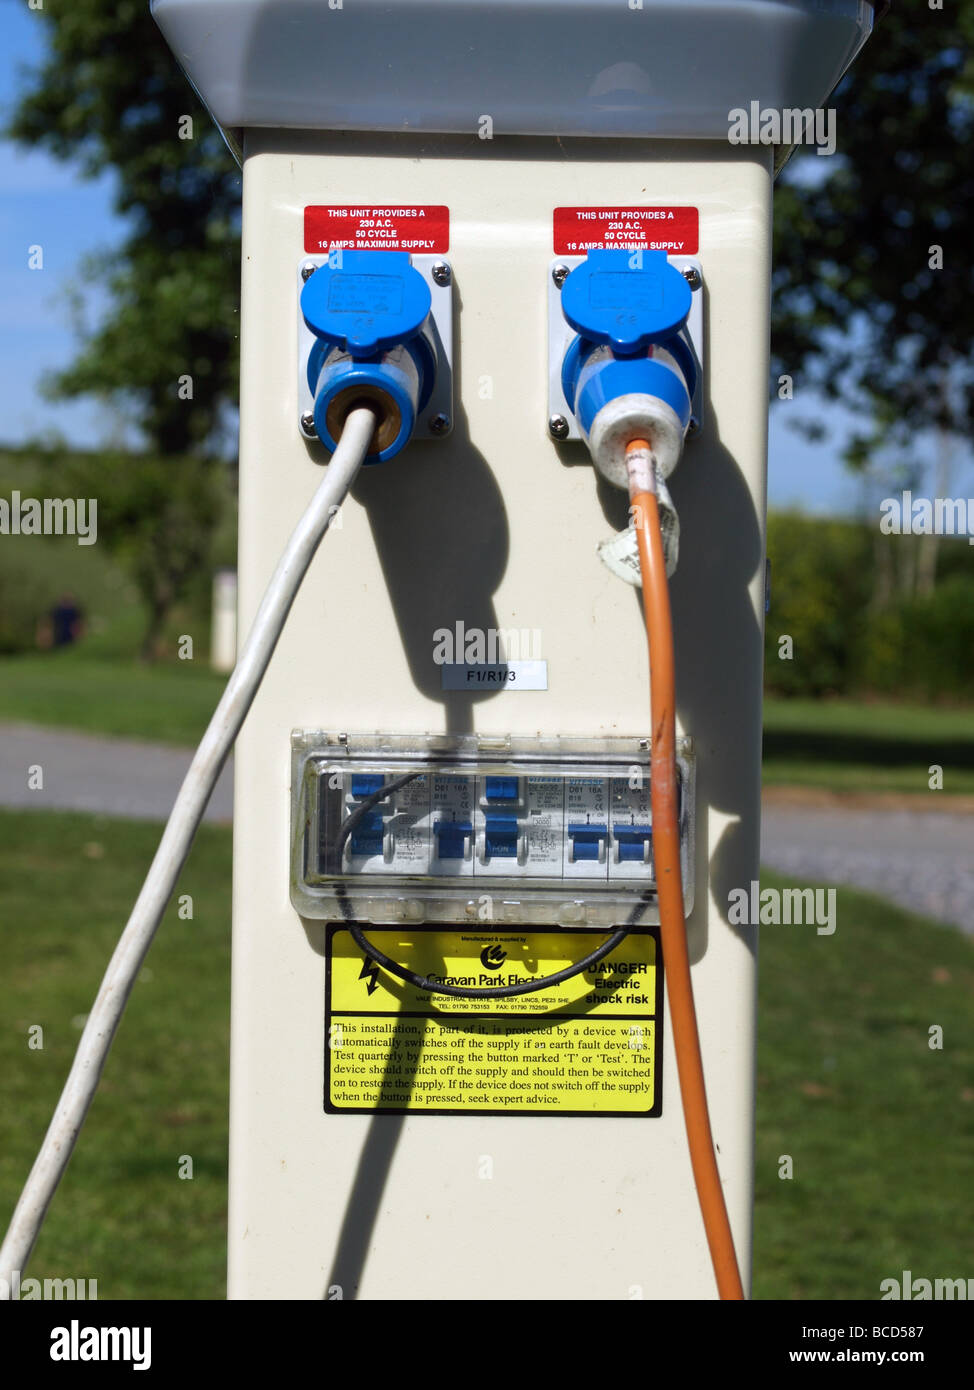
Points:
point(441, 828)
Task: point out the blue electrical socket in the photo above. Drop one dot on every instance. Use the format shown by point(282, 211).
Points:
point(562, 423)
point(357, 318)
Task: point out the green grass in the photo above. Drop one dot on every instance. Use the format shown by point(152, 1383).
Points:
point(122, 1216)
point(856, 746)
point(878, 1125)
point(169, 702)
point(35, 570)
point(98, 686)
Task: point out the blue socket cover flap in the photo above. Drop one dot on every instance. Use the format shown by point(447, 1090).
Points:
point(366, 302)
point(627, 299)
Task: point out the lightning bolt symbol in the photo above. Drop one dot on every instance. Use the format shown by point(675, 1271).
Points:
point(370, 972)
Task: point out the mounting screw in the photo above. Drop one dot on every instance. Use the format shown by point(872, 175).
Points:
point(693, 426)
point(558, 427)
point(307, 271)
point(441, 273)
point(692, 276)
point(439, 423)
point(308, 425)
point(560, 274)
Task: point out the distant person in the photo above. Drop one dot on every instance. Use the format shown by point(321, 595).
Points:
point(67, 622)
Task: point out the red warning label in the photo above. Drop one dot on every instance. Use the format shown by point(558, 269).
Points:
point(674, 230)
point(395, 228)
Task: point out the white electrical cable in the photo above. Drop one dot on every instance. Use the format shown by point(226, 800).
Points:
point(174, 847)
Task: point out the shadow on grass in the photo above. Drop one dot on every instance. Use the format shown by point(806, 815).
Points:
point(807, 745)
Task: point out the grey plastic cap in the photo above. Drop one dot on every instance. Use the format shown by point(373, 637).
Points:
point(671, 68)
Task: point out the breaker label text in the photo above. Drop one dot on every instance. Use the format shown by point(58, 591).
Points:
point(673, 230)
point(337, 227)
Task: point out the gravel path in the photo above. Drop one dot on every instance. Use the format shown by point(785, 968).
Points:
point(922, 860)
point(85, 772)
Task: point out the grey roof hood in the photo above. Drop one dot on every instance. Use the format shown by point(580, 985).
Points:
point(536, 67)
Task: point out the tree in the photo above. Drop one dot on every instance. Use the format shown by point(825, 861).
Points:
point(872, 271)
point(156, 515)
point(110, 96)
point(872, 274)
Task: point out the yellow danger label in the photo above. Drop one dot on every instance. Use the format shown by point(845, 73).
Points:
point(586, 1046)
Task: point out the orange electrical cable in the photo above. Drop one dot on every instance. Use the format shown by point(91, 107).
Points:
point(666, 858)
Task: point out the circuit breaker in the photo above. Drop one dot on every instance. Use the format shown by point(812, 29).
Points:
point(561, 830)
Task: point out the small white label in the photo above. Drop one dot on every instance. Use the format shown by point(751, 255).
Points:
point(509, 675)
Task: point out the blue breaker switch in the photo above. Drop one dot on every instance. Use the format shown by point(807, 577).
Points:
point(633, 843)
point(500, 834)
point(369, 313)
point(587, 841)
point(368, 835)
point(500, 791)
point(372, 835)
point(453, 839)
point(501, 837)
point(365, 784)
point(630, 373)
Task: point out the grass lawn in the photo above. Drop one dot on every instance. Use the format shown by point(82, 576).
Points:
point(852, 746)
point(122, 1215)
point(101, 687)
point(170, 702)
point(878, 1126)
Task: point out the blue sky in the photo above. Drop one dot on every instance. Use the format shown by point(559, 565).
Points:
point(44, 202)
